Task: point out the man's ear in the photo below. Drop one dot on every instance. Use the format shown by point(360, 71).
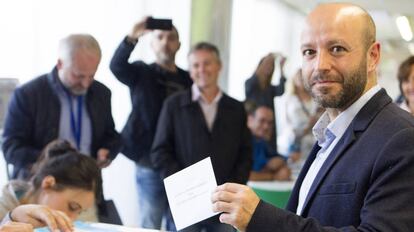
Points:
point(374, 55)
point(250, 120)
point(59, 64)
point(48, 182)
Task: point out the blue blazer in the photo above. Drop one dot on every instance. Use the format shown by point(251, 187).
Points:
point(366, 183)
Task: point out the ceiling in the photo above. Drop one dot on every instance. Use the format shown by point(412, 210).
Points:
point(383, 12)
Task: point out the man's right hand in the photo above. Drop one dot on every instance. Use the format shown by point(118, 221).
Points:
point(139, 29)
point(236, 203)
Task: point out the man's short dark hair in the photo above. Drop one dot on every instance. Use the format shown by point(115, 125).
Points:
point(207, 47)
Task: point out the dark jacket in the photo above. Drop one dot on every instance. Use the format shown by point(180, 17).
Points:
point(183, 138)
point(149, 85)
point(365, 183)
point(33, 116)
point(263, 97)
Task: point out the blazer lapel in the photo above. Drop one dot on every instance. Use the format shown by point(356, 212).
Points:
point(294, 197)
point(195, 109)
point(339, 149)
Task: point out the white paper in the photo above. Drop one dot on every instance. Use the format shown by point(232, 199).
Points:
point(189, 193)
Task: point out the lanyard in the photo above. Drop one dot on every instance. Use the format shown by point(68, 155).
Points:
point(76, 126)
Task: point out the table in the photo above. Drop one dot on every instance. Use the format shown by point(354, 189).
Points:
point(101, 227)
point(274, 192)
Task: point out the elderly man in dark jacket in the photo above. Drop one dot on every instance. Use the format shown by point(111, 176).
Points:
point(66, 103)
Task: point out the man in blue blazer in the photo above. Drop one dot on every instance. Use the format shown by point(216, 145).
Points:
point(359, 175)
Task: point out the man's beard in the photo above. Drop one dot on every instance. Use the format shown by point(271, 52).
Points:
point(352, 87)
point(75, 90)
point(166, 57)
point(78, 91)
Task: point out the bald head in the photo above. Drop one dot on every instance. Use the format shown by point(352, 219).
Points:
point(340, 55)
point(348, 16)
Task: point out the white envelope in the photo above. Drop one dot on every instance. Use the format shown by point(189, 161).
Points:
point(189, 193)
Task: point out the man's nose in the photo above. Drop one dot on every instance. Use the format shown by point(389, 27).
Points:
point(164, 41)
point(201, 68)
point(323, 61)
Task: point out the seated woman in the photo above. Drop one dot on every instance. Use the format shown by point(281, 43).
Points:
point(406, 83)
point(64, 184)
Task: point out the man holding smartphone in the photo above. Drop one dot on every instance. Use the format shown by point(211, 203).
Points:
point(149, 85)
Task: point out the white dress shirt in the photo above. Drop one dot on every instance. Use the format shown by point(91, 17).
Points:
point(209, 109)
point(405, 107)
point(327, 134)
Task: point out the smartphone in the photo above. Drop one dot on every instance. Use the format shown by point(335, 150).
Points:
point(161, 24)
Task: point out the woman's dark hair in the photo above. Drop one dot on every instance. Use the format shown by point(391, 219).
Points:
point(404, 71)
point(70, 169)
point(55, 148)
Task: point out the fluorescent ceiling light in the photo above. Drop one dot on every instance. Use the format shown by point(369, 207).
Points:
point(404, 27)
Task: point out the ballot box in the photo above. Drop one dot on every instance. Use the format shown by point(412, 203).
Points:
point(274, 192)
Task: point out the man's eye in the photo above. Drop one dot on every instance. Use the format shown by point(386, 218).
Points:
point(337, 49)
point(308, 52)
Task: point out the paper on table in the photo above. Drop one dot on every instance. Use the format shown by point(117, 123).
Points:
point(189, 193)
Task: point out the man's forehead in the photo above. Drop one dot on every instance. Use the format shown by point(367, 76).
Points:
point(165, 33)
point(335, 10)
point(335, 15)
point(264, 111)
point(202, 54)
point(339, 26)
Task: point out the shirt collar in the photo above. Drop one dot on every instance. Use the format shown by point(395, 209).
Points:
point(197, 96)
point(325, 129)
point(404, 106)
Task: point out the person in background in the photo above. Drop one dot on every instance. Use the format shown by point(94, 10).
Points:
point(66, 103)
point(64, 186)
point(267, 163)
point(358, 175)
point(406, 83)
point(259, 89)
point(204, 122)
point(301, 115)
point(149, 86)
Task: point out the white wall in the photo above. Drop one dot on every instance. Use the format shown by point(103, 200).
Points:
point(260, 27)
point(30, 31)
